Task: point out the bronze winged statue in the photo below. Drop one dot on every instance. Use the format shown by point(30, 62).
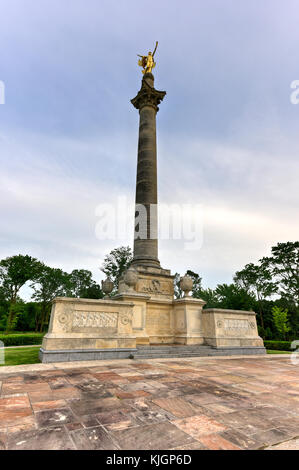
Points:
point(147, 61)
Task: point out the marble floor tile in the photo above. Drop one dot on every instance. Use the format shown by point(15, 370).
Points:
point(49, 418)
point(200, 425)
point(159, 436)
point(177, 406)
point(93, 439)
point(216, 442)
point(42, 439)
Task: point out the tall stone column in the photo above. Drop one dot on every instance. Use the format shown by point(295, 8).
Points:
point(146, 213)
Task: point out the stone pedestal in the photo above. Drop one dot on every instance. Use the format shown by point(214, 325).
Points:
point(105, 329)
point(188, 321)
point(154, 282)
point(139, 315)
point(230, 328)
point(83, 329)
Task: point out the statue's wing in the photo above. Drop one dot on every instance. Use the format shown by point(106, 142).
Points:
point(142, 61)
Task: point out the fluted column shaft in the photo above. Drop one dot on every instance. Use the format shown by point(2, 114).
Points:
point(146, 223)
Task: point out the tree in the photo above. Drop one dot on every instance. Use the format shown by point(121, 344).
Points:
point(49, 284)
point(233, 297)
point(280, 319)
point(15, 271)
point(284, 266)
point(178, 293)
point(196, 289)
point(256, 279)
point(293, 316)
point(83, 286)
point(116, 263)
point(210, 297)
point(15, 312)
point(92, 292)
point(29, 319)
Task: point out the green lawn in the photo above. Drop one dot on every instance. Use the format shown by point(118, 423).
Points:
point(272, 351)
point(2, 332)
point(16, 356)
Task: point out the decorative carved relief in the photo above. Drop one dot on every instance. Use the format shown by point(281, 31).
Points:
point(94, 319)
point(125, 319)
point(154, 286)
point(64, 320)
point(148, 96)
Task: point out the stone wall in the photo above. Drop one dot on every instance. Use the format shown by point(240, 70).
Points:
point(89, 324)
point(237, 328)
point(95, 329)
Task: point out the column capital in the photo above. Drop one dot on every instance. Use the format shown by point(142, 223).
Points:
point(148, 95)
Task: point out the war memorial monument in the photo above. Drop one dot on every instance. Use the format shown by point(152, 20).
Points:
point(143, 319)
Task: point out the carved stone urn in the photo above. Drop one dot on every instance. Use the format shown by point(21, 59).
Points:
point(186, 284)
point(131, 278)
point(107, 287)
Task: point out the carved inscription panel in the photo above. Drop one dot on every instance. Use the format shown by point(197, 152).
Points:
point(231, 323)
point(94, 321)
point(236, 327)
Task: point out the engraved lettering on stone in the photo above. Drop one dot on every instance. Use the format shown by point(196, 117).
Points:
point(95, 320)
point(230, 323)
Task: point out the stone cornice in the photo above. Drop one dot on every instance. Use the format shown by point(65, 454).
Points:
point(227, 311)
point(148, 96)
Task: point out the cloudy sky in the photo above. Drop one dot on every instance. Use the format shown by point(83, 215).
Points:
point(227, 131)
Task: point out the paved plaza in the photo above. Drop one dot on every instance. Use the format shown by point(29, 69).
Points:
point(191, 403)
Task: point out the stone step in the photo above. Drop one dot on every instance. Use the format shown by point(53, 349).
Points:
point(145, 353)
point(160, 351)
point(198, 351)
point(155, 352)
point(173, 348)
point(158, 356)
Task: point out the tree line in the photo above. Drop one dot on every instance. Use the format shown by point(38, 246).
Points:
point(270, 288)
point(46, 283)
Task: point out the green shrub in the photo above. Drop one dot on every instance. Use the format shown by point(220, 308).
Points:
point(278, 345)
point(21, 340)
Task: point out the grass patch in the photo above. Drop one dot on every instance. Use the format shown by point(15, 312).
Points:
point(272, 351)
point(2, 332)
point(18, 356)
